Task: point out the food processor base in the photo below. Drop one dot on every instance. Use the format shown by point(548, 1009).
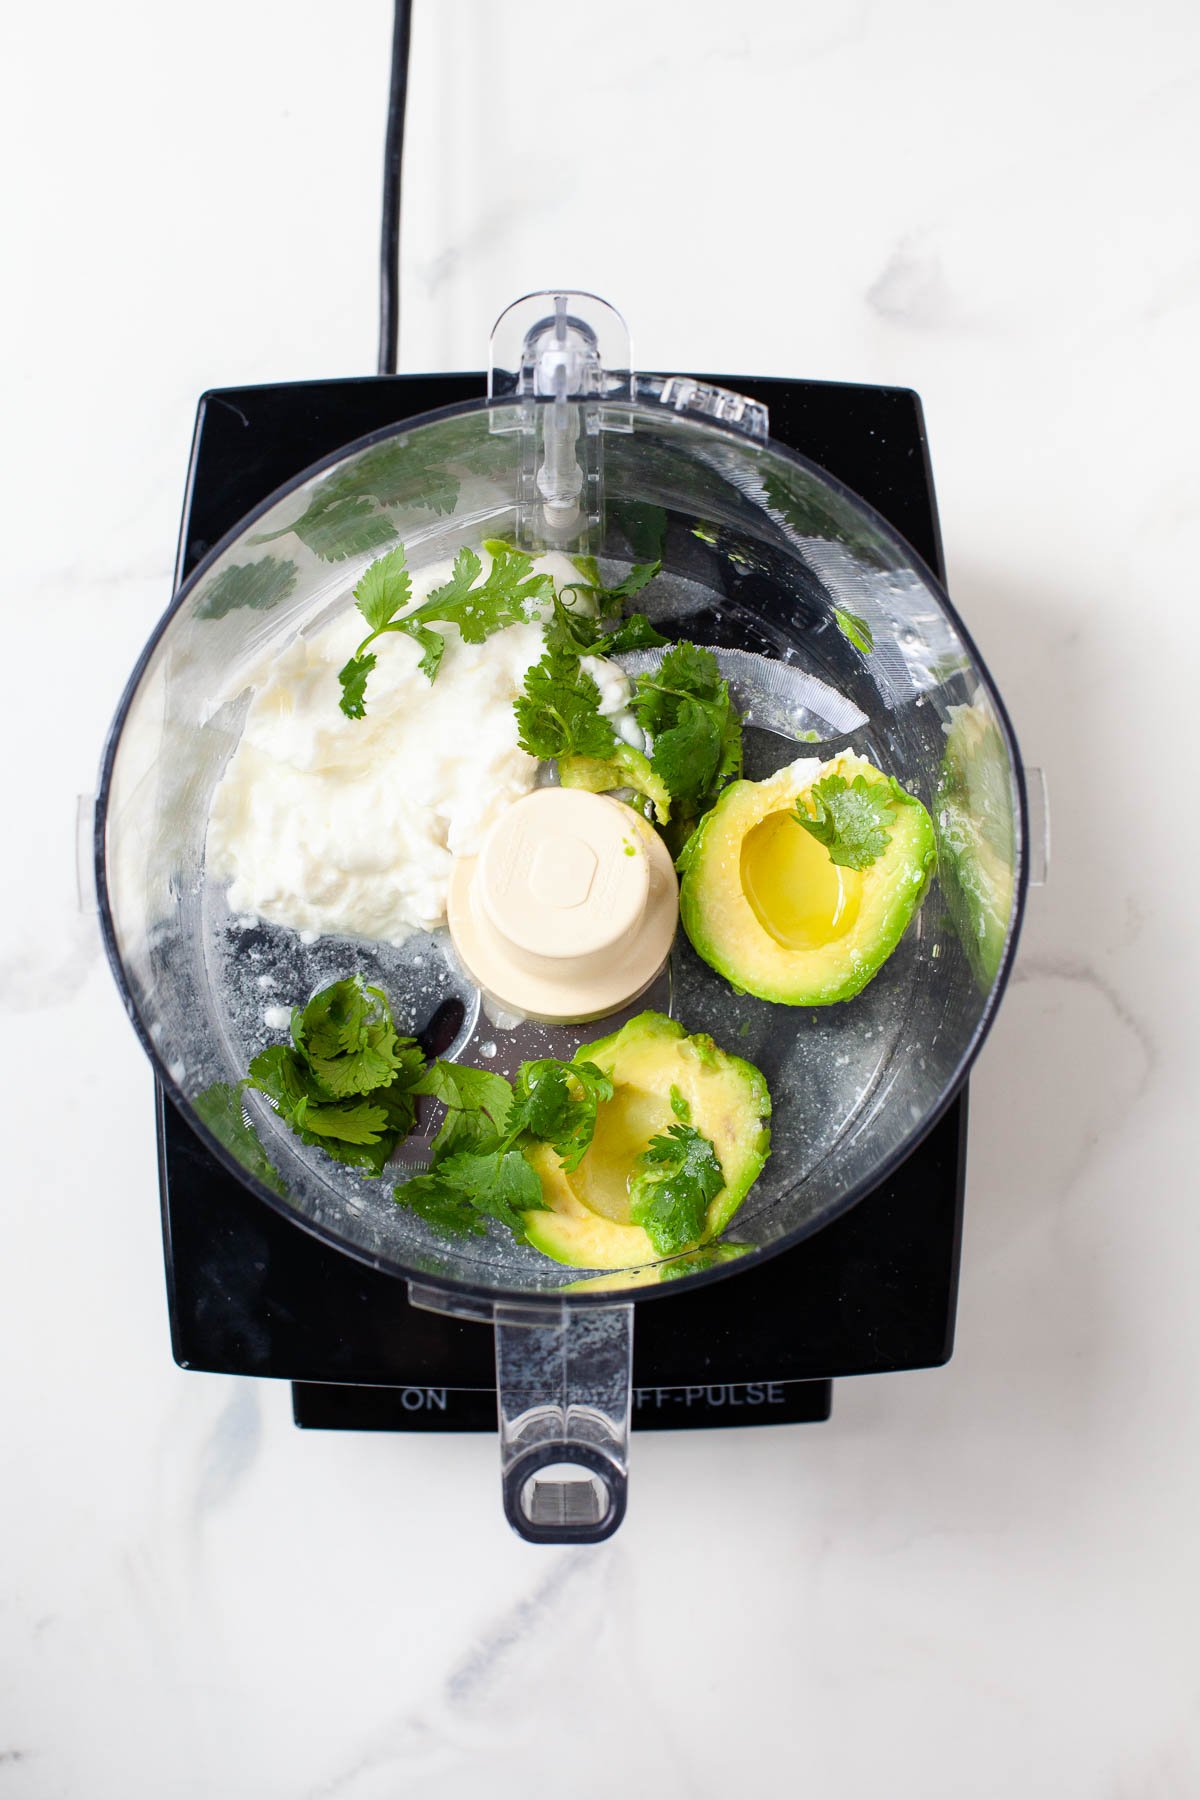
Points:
point(251, 1293)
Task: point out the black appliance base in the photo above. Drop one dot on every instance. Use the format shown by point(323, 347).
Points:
point(324, 1406)
point(251, 1293)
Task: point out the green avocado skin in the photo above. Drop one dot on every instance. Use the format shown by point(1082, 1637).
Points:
point(846, 966)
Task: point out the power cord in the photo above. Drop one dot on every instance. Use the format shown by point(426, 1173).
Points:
point(393, 153)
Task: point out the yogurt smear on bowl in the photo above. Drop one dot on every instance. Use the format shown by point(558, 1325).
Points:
point(350, 827)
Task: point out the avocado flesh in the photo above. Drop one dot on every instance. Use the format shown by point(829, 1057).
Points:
point(587, 1221)
point(784, 952)
point(625, 768)
point(588, 1243)
point(624, 1126)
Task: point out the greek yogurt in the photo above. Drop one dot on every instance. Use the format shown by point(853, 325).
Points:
point(350, 827)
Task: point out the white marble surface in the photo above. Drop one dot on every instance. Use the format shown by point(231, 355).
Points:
point(976, 1582)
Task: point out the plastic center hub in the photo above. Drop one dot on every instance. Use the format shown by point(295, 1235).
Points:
point(564, 874)
point(570, 909)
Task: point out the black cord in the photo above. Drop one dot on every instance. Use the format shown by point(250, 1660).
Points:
point(393, 152)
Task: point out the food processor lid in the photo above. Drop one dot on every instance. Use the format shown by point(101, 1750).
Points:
point(544, 346)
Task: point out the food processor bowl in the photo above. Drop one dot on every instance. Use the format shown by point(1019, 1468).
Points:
point(832, 633)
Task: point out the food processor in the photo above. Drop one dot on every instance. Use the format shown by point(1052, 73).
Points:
point(833, 633)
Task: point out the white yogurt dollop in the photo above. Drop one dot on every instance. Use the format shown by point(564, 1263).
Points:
point(349, 827)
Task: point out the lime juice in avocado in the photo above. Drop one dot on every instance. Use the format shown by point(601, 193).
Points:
point(798, 888)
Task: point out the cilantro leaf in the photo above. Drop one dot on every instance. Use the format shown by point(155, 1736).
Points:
point(360, 1073)
point(850, 818)
point(397, 1098)
point(432, 645)
point(499, 1183)
point(353, 678)
point(357, 1122)
point(510, 594)
point(541, 1104)
point(459, 1085)
point(474, 1174)
point(341, 520)
point(686, 669)
point(673, 1181)
point(477, 1168)
point(611, 599)
point(346, 1081)
point(463, 1189)
point(477, 1102)
point(383, 589)
point(580, 634)
point(856, 631)
point(635, 632)
point(639, 576)
point(260, 585)
point(687, 755)
point(695, 728)
point(557, 1102)
point(335, 1019)
point(558, 712)
point(467, 569)
point(346, 1036)
point(283, 1077)
point(342, 528)
point(440, 1204)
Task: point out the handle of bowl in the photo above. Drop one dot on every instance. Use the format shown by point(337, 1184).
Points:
point(563, 1378)
point(1037, 801)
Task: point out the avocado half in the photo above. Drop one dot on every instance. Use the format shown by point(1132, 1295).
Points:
point(726, 930)
point(651, 1061)
point(625, 768)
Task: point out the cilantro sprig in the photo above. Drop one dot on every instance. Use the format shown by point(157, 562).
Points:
point(611, 599)
point(509, 594)
point(473, 1175)
point(558, 713)
point(557, 1102)
point(343, 516)
point(674, 1180)
point(477, 1167)
point(583, 634)
point(696, 730)
point(853, 819)
point(347, 1080)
